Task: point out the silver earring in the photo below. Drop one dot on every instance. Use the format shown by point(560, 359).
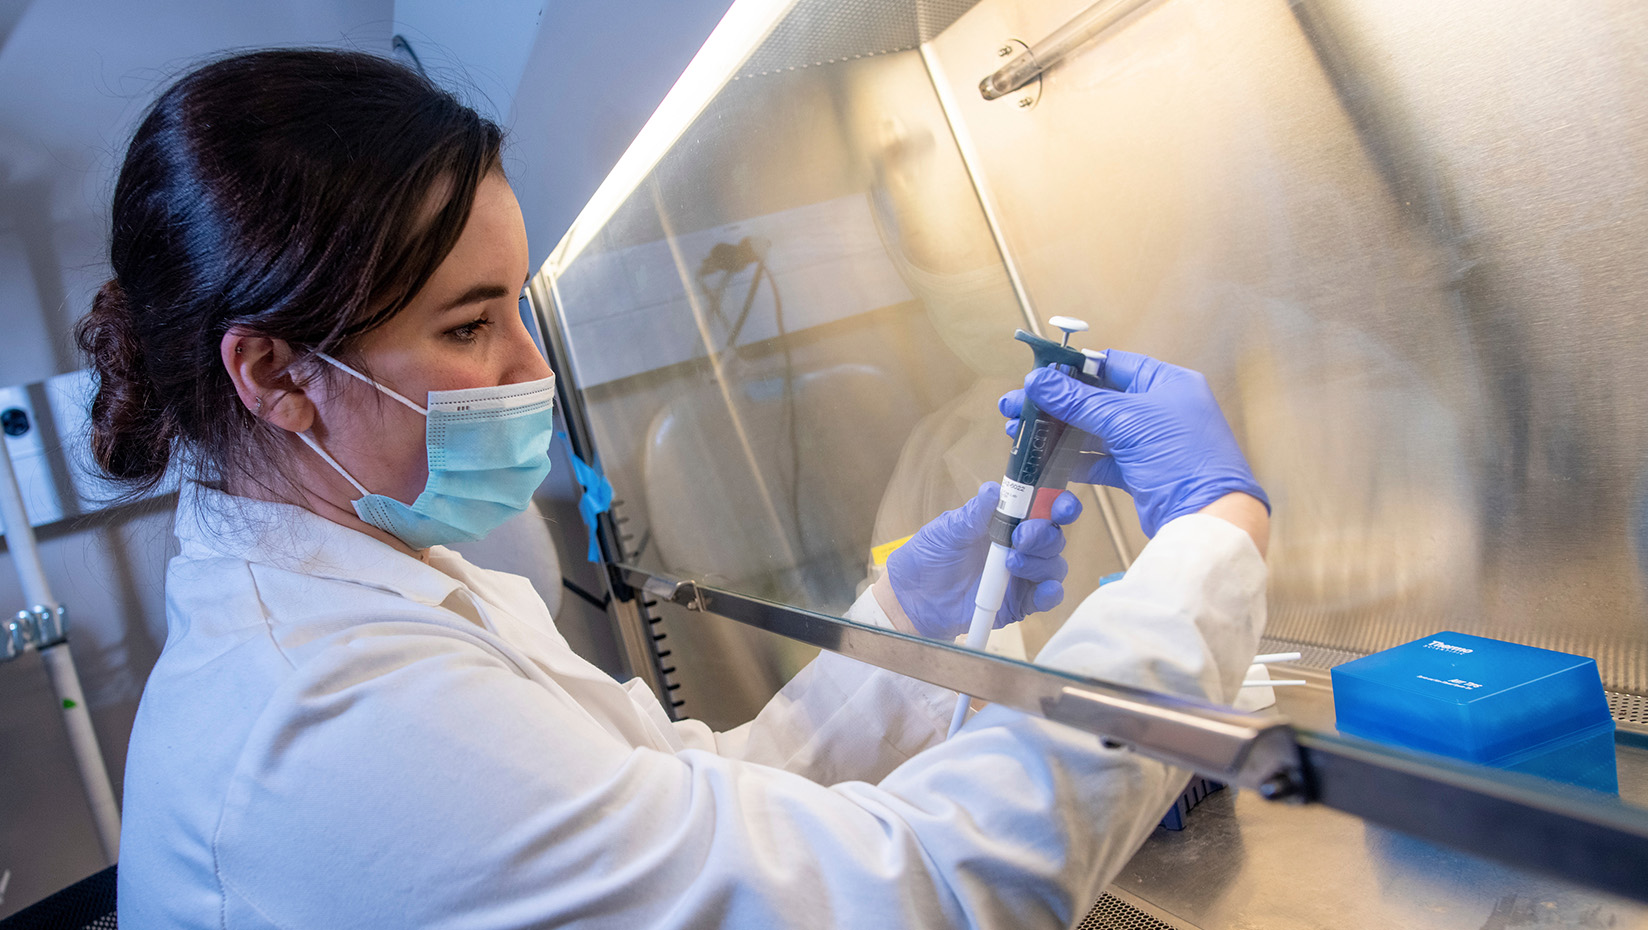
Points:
point(259, 411)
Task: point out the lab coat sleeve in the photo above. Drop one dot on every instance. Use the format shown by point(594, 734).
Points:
point(1188, 609)
point(422, 781)
point(1185, 619)
point(838, 719)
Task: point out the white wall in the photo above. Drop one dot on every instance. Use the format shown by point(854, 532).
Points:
point(479, 47)
point(596, 73)
point(572, 82)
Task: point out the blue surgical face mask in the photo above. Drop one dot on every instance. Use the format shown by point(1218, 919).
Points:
point(488, 451)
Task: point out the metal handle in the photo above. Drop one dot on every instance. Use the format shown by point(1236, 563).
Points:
point(1248, 750)
point(1029, 65)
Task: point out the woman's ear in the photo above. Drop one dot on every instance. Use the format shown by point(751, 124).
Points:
point(261, 370)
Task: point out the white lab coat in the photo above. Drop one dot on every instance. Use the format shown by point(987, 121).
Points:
point(340, 735)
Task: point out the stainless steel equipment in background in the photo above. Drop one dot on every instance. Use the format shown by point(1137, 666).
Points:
point(1403, 240)
point(63, 722)
point(43, 626)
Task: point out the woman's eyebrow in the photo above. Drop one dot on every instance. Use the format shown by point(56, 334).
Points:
point(475, 295)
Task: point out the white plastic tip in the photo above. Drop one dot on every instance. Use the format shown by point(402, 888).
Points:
point(1268, 657)
point(1069, 324)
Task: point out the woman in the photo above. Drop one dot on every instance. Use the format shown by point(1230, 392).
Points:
point(313, 317)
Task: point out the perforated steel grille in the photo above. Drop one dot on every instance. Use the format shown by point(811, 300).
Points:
point(818, 33)
point(1621, 659)
point(1626, 707)
point(1312, 656)
point(1112, 913)
point(1629, 708)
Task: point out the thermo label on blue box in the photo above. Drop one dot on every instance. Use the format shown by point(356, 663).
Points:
point(1484, 701)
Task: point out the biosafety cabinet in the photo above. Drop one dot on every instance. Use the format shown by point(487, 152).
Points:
point(1406, 241)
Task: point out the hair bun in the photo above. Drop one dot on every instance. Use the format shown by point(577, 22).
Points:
point(131, 431)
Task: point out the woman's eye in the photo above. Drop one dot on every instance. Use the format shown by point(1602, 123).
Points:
point(469, 331)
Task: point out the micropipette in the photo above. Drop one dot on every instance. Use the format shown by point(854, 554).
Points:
point(1036, 473)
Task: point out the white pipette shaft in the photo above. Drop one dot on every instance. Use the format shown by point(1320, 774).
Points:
point(992, 590)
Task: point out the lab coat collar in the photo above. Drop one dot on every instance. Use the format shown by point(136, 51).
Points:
point(214, 524)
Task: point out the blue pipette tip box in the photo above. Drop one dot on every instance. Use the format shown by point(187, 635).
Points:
point(1197, 791)
point(1484, 701)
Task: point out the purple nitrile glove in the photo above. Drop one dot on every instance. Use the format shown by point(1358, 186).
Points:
point(935, 575)
point(1164, 438)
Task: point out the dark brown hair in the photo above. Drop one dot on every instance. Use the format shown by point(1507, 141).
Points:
point(285, 192)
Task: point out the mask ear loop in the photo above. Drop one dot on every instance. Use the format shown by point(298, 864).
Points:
point(353, 373)
point(309, 441)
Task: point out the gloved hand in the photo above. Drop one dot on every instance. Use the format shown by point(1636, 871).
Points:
point(1166, 441)
point(935, 575)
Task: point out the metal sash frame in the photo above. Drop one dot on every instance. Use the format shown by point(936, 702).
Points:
point(1249, 750)
point(1518, 820)
point(630, 613)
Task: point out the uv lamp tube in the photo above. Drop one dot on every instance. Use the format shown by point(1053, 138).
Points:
point(1050, 51)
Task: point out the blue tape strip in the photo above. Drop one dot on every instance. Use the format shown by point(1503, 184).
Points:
point(596, 499)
